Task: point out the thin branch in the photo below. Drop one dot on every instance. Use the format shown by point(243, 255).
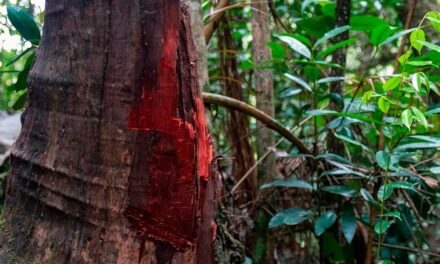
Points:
point(408, 23)
point(265, 155)
point(429, 253)
point(257, 114)
point(218, 13)
point(213, 22)
point(413, 207)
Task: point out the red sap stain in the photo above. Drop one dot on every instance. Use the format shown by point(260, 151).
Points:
point(205, 149)
point(172, 154)
point(214, 231)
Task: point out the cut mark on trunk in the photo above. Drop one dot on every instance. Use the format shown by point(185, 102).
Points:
point(171, 154)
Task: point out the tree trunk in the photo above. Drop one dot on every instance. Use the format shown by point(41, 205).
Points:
point(263, 83)
point(113, 164)
point(238, 134)
point(237, 125)
point(343, 8)
point(265, 139)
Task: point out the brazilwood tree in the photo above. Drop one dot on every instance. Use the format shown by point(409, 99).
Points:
point(114, 161)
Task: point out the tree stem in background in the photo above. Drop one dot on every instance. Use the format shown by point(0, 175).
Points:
point(264, 97)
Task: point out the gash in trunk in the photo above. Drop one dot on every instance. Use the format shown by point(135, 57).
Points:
point(114, 161)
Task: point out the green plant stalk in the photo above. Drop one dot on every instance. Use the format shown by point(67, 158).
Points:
point(390, 146)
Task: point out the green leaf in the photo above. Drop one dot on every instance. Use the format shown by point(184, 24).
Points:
point(398, 35)
point(384, 104)
point(315, 26)
point(419, 145)
point(416, 36)
point(392, 83)
point(434, 17)
point(416, 80)
point(20, 84)
point(318, 112)
point(366, 22)
point(290, 92)
point(400, 185)
point(354, 142)
point(433, 111)
point(407, 118)
point(340, 190)
point(386, 190)
point(380, 34)
point(291, 183)
point(332, 33)
point(299, 81)
point(334, 47)
point(22, 20)
point(331, 79)
point(312, 73)
point(393, 214)
point(366, 97)
point(382, 226)
point(20, 101)
point(425, 81)
point(419, 63)
point(384, 193)
point(323, 63)
point(405, 56)
point(296, 45)
point(337, 98)
point(325, 221)
point(369, 198)
point(277, 49)
point(420, 117)
point(435, 170)
point(342, 172)
point(383, 159)
point(348, 222)
point(292, 216)
point(332, 156)
point(429, 45)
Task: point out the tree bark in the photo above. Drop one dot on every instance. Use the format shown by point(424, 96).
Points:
point(263, 84)
point(343, 8)
point(237, 129)
point(114, 161)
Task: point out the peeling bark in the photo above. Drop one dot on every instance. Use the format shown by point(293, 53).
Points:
point(113, 164)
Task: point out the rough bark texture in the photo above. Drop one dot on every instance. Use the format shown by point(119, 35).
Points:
point(263, 83)
point(264, 96)
point(343, 8)
point(241, 152)
point(237, 128)
point(113, 164)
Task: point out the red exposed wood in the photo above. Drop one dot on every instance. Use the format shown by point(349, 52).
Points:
point(165, 208)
